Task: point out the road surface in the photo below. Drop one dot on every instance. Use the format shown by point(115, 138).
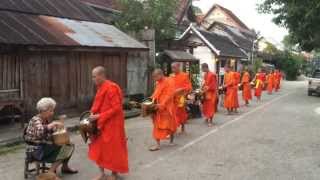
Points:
point(276, 139)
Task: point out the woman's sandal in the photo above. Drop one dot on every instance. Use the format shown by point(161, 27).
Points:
point(69, 171)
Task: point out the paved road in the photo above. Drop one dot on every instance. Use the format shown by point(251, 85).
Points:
point(277, 138)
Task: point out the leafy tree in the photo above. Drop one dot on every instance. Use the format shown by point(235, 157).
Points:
point(301, 18)
point(153, 14)
point(291, 64)
point(289, 43)
point(257, 64)
point(270, 49)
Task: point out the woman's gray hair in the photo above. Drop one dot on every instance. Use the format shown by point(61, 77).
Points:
point(44, 104)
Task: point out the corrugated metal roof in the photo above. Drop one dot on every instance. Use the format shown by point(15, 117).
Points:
point(26, 29)
point(72, 9)
point(180, 55)
point(112, 4)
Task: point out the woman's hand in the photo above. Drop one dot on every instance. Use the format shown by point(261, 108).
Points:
point(205, 88)
point(179, 91)
point(55, 125)
point(94, 117)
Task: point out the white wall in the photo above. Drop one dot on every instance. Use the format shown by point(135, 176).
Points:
point(205, 55)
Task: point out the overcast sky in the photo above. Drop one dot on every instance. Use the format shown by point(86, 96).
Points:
point(246, 11)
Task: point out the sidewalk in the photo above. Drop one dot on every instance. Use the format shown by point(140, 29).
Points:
point(12, 134)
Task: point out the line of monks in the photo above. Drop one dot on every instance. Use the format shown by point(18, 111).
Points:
point(109, 149)
point(170, 96)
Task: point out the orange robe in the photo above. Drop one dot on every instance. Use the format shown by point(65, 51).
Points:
point(164, 120)
point(209, 103)
point(270, 80)
point(237, 77)
point(246, 87)
point(181, 80)
point(109, 148)
point(259, 85)
point(278, 78)
point(229, 99)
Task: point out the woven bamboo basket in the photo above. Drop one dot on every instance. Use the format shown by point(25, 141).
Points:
point(47, 176)
point(61, 137)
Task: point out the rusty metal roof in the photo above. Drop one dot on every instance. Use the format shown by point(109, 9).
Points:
point(26, 29)
point(72, 9)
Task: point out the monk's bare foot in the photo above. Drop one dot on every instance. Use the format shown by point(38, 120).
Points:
point(172, 144)
point(154, 148)
point(100, 177)
point(210, 124)
point(112, 177)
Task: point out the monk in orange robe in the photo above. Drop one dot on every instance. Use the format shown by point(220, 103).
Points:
point(270, 82)
point(237, 79)
point(182, 86)
point(229, 98)
point(210, 92)
point(277, 77)
point(109, 148)
point(246, 87)
point(164, 124)
point(259, 84)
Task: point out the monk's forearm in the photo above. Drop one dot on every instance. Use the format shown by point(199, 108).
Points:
point(105, 116)
point(165, 102)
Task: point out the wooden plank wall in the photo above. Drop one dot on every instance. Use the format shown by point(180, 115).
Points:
point(10, 75)
point(66, 76)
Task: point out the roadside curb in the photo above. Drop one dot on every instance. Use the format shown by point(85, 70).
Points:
point(71, 127)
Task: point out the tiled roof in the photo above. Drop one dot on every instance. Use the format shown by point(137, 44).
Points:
point(180, 55)
point(243, 39)
point(226, 47)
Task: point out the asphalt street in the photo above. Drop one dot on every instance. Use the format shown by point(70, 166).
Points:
point(275, 139)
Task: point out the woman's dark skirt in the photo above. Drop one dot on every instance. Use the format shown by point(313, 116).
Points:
point(54, 153)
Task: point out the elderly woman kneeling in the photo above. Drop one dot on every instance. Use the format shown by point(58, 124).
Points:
point(38, 136)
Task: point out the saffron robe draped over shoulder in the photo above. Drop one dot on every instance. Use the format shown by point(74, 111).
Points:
point(246, 90)
point(229, 98)
point(209, 102)
point(277, 78)
point(109, 148)
point(259, 84)
point(164, 123)
point(237, 79)
point(270, 80)
point(181, 81)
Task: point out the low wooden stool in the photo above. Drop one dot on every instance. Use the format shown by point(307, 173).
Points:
point(39, 166)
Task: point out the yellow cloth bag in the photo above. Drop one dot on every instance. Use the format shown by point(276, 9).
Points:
point(258, 83)
point(182, 101)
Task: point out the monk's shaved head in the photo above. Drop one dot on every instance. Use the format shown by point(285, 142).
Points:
point(99, 75)
point(158, 71)
point(205, 67)
point(157, 74)
point(176, 64)
point(176, 67)
point(99, 70)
